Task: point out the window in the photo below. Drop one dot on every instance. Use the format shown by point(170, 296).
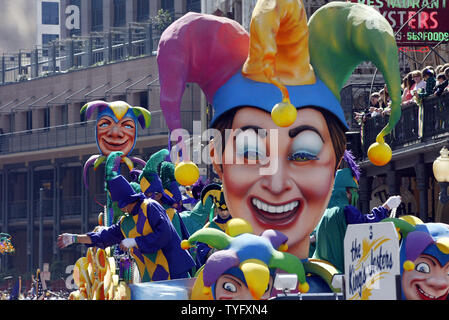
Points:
point(29, 124)
point(168, 5)
point(119, 13)
point(97, 15)
point(46, 117)
point(194, 5)
point(50, 13)
point(46, 38)
point(143, 10)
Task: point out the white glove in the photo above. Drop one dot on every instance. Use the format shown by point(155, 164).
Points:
point(393, 202)
point(66, 239)
point(129, 242)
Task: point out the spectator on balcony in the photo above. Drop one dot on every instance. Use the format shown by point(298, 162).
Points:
point(407, 86)
point(430, 80)
point(442, 82)
point(420, 83)
point(372, 111)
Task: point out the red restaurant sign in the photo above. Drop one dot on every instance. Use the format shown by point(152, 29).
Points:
point(426, 21)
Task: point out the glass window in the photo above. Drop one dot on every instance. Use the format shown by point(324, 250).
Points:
point(50, 12)
point(29, 120)
point(119, 13)
point(194, 5)
point(97, 15)
point(168, 5)
point(46, 117)
point(143, 10)
point(46, 38)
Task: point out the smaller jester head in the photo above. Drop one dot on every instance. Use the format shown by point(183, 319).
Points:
point(245, 262)
point(424, 258)
point(116, 128)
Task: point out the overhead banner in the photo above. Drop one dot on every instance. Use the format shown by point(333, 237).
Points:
point(418, 23)
point(371, 261)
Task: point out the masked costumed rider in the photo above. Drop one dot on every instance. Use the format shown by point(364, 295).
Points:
point(146, 231)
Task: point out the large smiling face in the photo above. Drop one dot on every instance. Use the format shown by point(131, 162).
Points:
point(115, 136)
point(293, 196)
point(428, 281)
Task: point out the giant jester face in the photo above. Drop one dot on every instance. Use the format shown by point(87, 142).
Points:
point(292, 197)
point(115, 136)
point(428, 281)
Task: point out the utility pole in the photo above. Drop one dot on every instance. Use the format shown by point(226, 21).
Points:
point(41, 226)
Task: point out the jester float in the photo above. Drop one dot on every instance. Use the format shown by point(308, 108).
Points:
point(145, 231)
point(275, 97)
point(424, 256)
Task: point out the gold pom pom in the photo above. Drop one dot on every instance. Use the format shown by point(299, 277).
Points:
point(185, 244)
point(284, 114)
point(379, 153)
point(303, 287)
point(186, 173)
point(283, 247)
point(409, 265)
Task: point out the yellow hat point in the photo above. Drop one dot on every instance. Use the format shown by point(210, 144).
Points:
point(284, 114)
point(443, 244)
point(283, 247)
point(408, 265)
point(303, 287)
point(257, 276)
point(185, 244)
point(207, 290)
point(379, 153)
point(186, 173)
point(237, 226)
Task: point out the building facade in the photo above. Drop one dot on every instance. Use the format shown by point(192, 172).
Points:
point(45, 141)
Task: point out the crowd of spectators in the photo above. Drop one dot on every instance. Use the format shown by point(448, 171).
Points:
point(416, 85)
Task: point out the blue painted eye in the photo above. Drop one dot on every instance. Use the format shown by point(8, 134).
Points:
point(104, 125)
point(228, 286)
point(422, 267)
point(306, 146)
point(250, 145)
point(302, 156)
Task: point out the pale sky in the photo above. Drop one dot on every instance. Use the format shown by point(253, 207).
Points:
point(17, 25)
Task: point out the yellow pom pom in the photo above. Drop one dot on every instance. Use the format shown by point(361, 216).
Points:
point(284, 114)
point(185, 244)
point(408, 265)
point(186, 173)
point(379, 153)
point(283, 247)
point(303, 287)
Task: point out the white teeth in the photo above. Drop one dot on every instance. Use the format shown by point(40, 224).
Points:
point(426, 294)
point(274, 209)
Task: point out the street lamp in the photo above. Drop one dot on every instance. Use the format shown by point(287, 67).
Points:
point(441, 173)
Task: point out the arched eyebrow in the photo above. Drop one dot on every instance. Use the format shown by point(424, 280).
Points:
point(297, 130)
point(429, 258)
point(232, 279)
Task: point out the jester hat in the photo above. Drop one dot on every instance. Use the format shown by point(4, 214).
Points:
point(149, 179)
point(421, 238)
point(282, 59)
point(117, 110)
point(253, 255)
point(215, 191)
